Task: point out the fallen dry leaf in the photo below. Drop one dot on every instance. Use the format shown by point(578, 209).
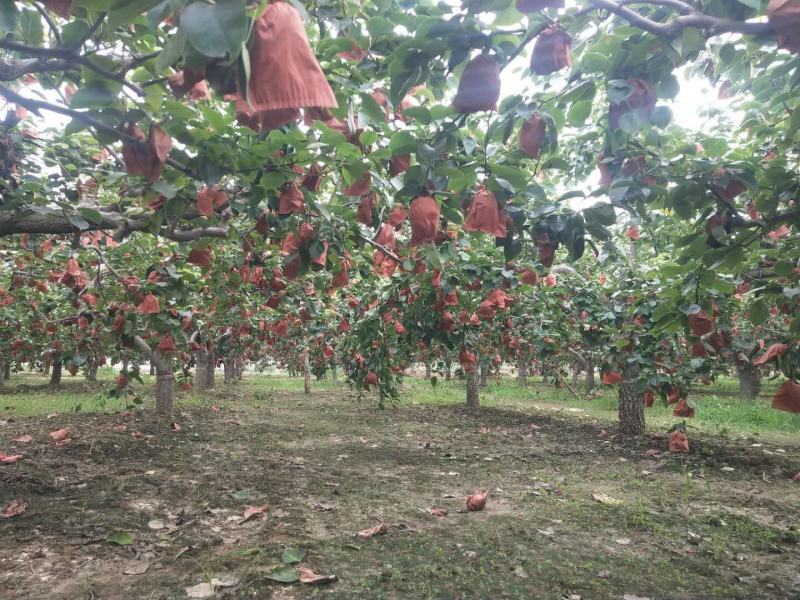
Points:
point(623, 541)
point(368, 534)
point(604, 574)
point(652, 452)
point(13, 508)
point(251, 512)
point(208, 589)
point(52, 415)
point(9, 459)
point(23, 439)
point(174, 426)
point(436, 511)
point(214, 408)
point(476, 502)
point(136, 567)
point(605, 498)
point(634, 597)
point(520, 572)
point(137, 434)
point(156, 524)
point(308, 576)
point(63, 442)
point(201, 590)
point(60, 434)
point(119, 427)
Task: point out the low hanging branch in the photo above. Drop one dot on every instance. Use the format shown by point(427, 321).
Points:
point(694, 18)
point(37, 105)
point(59, 224)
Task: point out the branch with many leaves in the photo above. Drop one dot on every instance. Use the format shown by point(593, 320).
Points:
point(694, 18)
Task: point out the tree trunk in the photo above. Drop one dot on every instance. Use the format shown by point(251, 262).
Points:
point(589, 374)
point(91, 374)
point(576, 369)
point(165, 391)
point(239, 368)
point(749, 382)
point(473, 390)
point(201, 371)
point(6, 370)
point(152, 368)
point(47, 360)
point(2, 368)
point(427, 370)
point(448, 370)
point(484, 374)
point(522, 369)
point(228, 370)
point(211, 369)
point(333, 370)
point(306, 371)
point(631, 404)
point(165, 379)
point(55, 377)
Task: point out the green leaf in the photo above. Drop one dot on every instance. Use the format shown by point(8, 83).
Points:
point(293, 555)
point(783, 269)
point(579, 112)
point(31, 28)
point(601, 213)
point(124, 11)
point(661, 117)
point(215, 30)
point(120, 538)
point(594, 62)
point(165, 189)
point(92, 215)
point(759, 312)
point(402, 142)
point(78, 222)
point(555, 162)
point(285, 574)
point(9, 16)
point(727, 53)
point(95, 95)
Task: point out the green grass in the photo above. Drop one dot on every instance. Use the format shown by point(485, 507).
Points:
point(719, 409)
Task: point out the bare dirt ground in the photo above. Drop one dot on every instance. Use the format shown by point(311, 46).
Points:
point(573, 512)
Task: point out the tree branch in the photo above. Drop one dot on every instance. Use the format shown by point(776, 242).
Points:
point(11, 70)
point(36, 105)
point(675, 27)
point(188, 235)
point(158, 361)
point(59, 224)
point(71, 58)
point(88, 35)
point(49, 21)
point(383, 249)
point(676, 4)
point(140, 60)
